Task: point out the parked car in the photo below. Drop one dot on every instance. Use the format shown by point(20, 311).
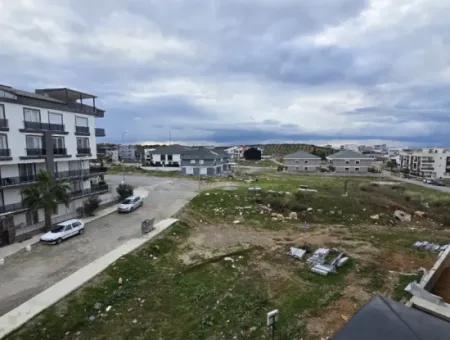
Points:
point(63, 231)
point(130, 203)
point(437, 182)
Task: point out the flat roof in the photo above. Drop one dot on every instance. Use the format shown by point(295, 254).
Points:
point(65, 94)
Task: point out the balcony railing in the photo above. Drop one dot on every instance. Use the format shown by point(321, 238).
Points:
point(11, 207)
point(97, 170)
point(60, 151)
point(95, 189)
point(9, 181)
point(99, 132)
point(3, 123)
point(5, 153)
point(82, 130)
point(84, 151)
point(35, 152)
point(43, 126)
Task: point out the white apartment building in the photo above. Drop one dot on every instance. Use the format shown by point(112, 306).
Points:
point(128, 153)
point(52, 130)
point(428, 162)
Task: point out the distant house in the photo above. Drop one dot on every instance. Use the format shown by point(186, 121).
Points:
point(169, 156)
point(302, 161)
point(205, 162)
point(128, 153)
point(252, 154)
point(348, 161)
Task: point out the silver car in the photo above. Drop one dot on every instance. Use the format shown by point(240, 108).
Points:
point(130, 203)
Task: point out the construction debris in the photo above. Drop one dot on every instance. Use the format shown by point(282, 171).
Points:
point(321, 264)
point(297, 252)
point(425, 245)
point(402, 216)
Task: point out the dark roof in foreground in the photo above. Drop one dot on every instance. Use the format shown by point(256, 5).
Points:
point(348, 154)
point(301, 155)
point(383, 318)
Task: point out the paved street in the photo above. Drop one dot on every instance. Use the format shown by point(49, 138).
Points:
point(416, 182)
point(25, 274)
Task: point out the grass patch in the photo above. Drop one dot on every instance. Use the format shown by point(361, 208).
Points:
point(399, 293)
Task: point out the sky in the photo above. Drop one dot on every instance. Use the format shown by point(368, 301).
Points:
point(241, 72)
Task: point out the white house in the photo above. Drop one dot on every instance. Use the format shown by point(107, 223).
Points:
point(52, 130)
point(169, 156)
point(348, 161)
point(302, 161)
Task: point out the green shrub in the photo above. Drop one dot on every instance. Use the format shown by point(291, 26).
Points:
point(124, 191)
point(90, 205)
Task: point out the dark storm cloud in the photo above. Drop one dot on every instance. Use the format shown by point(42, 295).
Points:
point(241, 71)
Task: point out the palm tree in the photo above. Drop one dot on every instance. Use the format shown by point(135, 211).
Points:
point(46, 194)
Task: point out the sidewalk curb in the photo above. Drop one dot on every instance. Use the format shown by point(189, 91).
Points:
point(15, 318)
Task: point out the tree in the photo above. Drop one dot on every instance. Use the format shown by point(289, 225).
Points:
point(391, 164)
point(90, 205)
point(46, 194)
point(124, 191)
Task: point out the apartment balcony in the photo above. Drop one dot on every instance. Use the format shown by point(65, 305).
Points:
point(4, 125)
point(15, 181)
point(60, 152)
point(93, 190)
point(11, 207)
point(82, 130)
point(99, 132)
point(39, 126)
point(83, 151)
point(32, 152)
point(98, 170)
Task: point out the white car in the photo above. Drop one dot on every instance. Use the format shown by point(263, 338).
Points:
point(62, 231)
point(130, 203)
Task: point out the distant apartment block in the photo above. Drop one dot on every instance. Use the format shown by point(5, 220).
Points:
point(302, 161)
point(205, 162)
point(163, 156)
point(348, 161)
point(129, 153)
point(430, 162)
point(52, 130)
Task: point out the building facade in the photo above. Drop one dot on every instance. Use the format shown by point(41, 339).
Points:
point(348, 161)
point(430, 162)
point(163, 156)
point(205, 162)
point(302, 161)
point(50, 130)
point(129, 153)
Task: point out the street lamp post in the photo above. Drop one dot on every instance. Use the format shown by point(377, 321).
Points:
point(121, 161)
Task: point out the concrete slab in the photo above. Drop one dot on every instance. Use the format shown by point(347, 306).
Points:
point(21, 314)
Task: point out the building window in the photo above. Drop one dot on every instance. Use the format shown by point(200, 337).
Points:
point(346, 169)
point(82, 143)
point(55, 118)
point(34, 142)
point(192, 161)
point(27, 170)
point(32, 217)
point(306, 168)
point(81, 121)
point(32, 115)
point(357, 162)
point(3, 142)
point(356, 169)
point(306, 162)
point(347, 162)
point(2, 111)
point(58, 145)
point(201, 161)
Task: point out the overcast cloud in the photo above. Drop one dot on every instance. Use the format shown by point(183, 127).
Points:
point(241, 71)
